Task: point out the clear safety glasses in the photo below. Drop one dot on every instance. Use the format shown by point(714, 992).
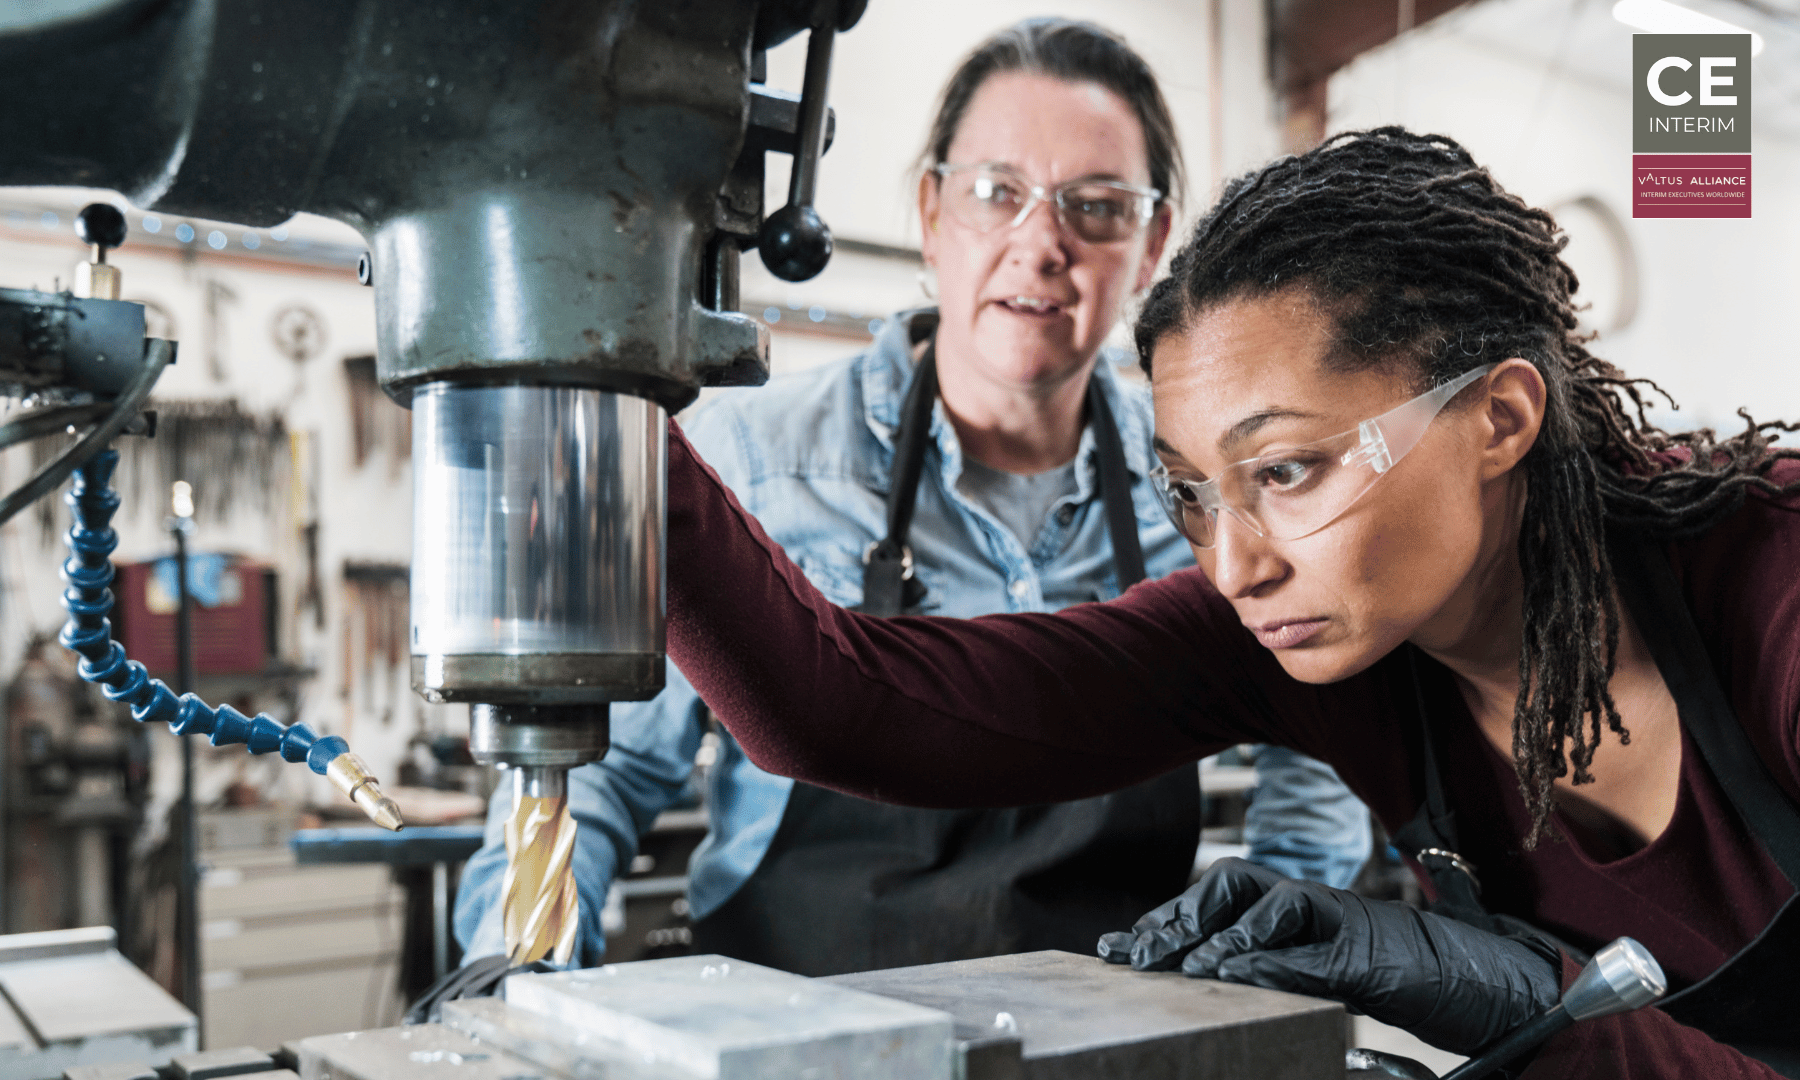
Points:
point(985, 196)
point(1291, 493)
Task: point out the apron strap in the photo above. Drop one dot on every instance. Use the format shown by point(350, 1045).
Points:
point(889, 586)
point(1647, 583)
point(1115, 489)
point(1430, 838)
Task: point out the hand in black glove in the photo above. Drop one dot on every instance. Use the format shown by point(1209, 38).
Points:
point(1456, 987)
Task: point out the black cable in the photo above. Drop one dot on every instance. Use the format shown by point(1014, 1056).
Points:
point(42, 422)
point(1364, 1063)
point(158, 354)
point(1526, 1037)
point(475, 979)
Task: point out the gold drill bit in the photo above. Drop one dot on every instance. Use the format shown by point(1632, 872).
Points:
point(541, 909)
point(350, 775)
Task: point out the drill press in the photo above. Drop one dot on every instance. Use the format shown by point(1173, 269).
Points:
point(555, 196)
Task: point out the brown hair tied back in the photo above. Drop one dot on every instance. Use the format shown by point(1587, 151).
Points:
point(1073, 51)
point(1420, 257)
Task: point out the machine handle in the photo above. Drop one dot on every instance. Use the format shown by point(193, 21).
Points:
point(102, 226)
point(795, 241)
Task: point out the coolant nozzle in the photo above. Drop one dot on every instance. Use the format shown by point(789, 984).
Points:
point(350, 775)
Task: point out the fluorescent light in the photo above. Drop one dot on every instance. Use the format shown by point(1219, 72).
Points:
point(1662, 17)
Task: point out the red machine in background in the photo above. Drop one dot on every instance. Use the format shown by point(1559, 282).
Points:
point(234, 613)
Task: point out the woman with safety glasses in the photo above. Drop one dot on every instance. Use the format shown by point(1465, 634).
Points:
point(1554, 647)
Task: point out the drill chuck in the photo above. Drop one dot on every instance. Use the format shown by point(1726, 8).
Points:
point(537, 572)
point(540, 735)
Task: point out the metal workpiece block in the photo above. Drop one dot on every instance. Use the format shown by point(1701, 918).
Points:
point(712, 1018)
point(430, 1051)
point(47, 944)
point(128, 1070)
point(288, 1057)
point(214, 1064)
point(1078, 1017)
point(559, 1047)
point(987, 1054)
point(70, 1000)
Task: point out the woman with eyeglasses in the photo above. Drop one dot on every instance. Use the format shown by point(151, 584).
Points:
point(1554, 647)
point(979, 456)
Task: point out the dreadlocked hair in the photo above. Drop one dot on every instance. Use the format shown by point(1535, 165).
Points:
point(1419, 257)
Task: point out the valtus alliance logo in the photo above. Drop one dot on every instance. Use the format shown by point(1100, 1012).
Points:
point(1691, 125)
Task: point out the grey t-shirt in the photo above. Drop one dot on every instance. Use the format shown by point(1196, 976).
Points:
point(1020, 502)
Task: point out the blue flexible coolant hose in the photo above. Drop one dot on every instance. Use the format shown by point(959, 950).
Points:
point(89, 600)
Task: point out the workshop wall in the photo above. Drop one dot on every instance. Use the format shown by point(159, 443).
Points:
point(1540, 93)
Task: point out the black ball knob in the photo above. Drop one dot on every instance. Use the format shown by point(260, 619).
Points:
point(795, 243)
point(100, 224)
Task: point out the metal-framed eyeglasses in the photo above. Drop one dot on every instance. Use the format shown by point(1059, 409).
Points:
point(984, 196)
point(1288, 494)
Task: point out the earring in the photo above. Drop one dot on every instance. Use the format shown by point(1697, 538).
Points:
point(928, 281)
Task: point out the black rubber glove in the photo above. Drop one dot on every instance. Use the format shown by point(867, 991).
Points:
point(1456, 987)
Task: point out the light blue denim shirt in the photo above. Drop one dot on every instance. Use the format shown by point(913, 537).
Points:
point(810, 455)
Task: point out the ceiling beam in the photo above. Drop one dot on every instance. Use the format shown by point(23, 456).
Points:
point(1311, 39)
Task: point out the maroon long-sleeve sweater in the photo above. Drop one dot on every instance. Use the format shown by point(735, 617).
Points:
point(1018, 709)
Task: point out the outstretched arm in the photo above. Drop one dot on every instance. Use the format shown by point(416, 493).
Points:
point(1003, 710)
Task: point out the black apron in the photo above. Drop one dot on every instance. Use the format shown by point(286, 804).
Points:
point(853, 885)
point(1750, 1002)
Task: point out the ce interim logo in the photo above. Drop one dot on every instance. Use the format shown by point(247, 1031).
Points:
point(1690, 119)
